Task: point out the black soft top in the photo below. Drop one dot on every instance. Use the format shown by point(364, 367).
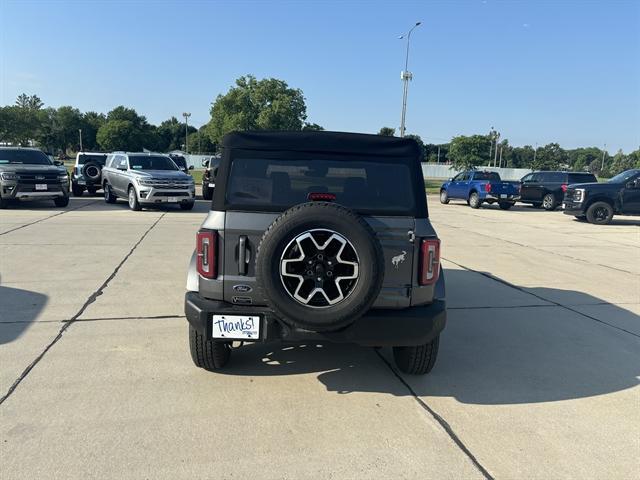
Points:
point(318, 145)
point(322, 141)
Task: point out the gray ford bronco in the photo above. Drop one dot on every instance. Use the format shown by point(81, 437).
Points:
point(317, 236)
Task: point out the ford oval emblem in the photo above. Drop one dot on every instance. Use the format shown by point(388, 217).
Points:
point(242, 288)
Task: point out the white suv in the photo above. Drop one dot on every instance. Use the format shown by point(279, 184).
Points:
point(146, 179)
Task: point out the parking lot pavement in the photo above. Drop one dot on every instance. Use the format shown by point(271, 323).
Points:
point(537, 375)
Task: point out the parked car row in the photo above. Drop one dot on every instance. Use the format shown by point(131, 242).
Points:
point(143, 179)
point(579, 193)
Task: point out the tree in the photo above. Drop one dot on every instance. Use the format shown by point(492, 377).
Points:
point(124, 129)
point(311, 127)
point(267, 104)
point(387, 131)
point(521, 157)
point(469, 152)
point(32, 102)
point(199, 142)
point(171, 134)
point(551, 157)
point(90, 124)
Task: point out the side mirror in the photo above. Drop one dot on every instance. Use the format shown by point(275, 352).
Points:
point(190, 167)
point(205, 163)
point(58, 163)
point(450, 180)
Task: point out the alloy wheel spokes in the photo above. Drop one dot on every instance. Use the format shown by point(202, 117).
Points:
point(319, 268)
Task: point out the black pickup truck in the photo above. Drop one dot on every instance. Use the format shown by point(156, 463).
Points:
point(599, 202)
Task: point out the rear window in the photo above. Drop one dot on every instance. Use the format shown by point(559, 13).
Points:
point(23, 157)
point(582, 178)
point(273, 184)
point(92, 157)
point(181, 162)
point(553, 177)
point(491, 176)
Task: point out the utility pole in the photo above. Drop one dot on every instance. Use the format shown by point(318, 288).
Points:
point(438, 154)
point(534, 155)
point(406, 76)
point(80, 132)
point(603, 152)
point(490, 144)
point(495, 159)
point(186, 116)
point(500, 156)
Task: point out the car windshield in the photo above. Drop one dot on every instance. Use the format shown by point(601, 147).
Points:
point(492, 176)
point(151, 162)
point(362, 185)
point(99, 158)
point(23, 157)
point(180, 162)
point(624, 176)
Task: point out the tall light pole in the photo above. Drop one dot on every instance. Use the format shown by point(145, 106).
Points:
point(603, 152)
point(80, 132)
point(405, 76)
point(186, 116)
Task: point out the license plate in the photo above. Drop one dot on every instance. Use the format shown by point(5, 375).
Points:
point(236, 327)
point(172, 199)
point(41, 186)
point(212, 185)
point(503, 195)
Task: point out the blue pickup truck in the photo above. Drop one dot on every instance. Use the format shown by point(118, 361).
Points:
point(478, 187)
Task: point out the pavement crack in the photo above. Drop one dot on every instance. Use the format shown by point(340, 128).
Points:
point(92, 298)
point(47, 218)
point(539, 297)
point(438, 418)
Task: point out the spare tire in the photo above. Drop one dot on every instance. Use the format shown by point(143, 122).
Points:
point(92, 171)
point(319, 266)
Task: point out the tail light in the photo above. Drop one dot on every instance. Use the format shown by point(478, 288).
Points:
point(487, 187)
point(564, 187)
point(429, 270)
point(207, 253)
point(321, 196)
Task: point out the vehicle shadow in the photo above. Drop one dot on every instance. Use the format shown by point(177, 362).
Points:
point(96, 203)
point(510, 355)
point(19, 310)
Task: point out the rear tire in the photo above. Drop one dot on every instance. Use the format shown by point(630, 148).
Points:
point(109, 197)
point(444, 197)
point(600, 213)
point(61, 201)
point(3, 203)
point(207, 193)
point(133, 200)
point(549, 202)
point(418, 359)
point(206, 353)
point(474, 200)
point(505, 205)
point(77, 190)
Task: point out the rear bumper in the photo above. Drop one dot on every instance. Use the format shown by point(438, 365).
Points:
point(497, 198)
point(409, 326)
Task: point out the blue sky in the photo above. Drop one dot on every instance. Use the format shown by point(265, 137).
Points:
point(539, 71)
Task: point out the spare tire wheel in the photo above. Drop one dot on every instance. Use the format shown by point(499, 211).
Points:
point(92, 170)
point(319, 266)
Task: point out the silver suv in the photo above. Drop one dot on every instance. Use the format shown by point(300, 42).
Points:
point(146, 179)
point(29, 174)
point(317, 236)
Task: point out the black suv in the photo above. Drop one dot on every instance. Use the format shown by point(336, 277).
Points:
point(598, 202)
point(547, 189)
point(29, 174)
point(181, 163)
point(317, 236)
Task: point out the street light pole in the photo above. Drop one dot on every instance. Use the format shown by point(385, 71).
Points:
point(603, 152)
point(405, 76)
point(186, 116)
point(80, 132)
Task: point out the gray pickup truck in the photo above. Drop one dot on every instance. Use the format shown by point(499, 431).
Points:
point(146, 179)
point(29, 174)
point(317, 236)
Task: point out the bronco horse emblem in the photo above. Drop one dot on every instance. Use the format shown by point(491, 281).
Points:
point(398, 259)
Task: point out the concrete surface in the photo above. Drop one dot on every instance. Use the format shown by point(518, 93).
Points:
point(537, 375)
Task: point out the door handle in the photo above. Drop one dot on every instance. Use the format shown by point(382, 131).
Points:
point(242, 255)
